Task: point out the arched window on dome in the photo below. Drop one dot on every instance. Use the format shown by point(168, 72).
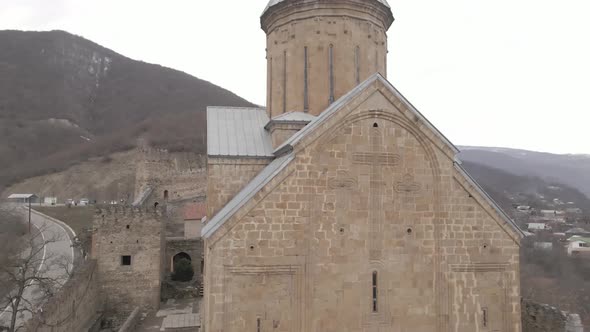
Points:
point(305, 81)
point(374, 288)
point(357, 65)
point(331, 64)
point(284, 81)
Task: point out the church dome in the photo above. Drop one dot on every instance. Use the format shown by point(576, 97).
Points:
point(276, 2)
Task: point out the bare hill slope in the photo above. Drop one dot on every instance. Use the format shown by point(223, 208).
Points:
point(65, 99)
point(572, 170)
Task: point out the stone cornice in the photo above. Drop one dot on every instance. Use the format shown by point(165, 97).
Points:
point(293, 10)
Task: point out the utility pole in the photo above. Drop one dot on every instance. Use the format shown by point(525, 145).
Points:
point(30, 214)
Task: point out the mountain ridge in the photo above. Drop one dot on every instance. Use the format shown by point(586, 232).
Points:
point(65, 99)
point(569, 169)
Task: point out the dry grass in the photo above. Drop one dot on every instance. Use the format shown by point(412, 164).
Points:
point(77, 217)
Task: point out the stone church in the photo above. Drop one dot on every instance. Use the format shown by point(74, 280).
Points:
point(339, 207)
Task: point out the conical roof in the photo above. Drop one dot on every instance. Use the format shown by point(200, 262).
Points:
point(275, 2)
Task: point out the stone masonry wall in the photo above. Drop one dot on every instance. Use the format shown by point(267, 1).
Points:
point(123, 231)
point(281, 132)
point(226, 177)
point(192, 247)
point(544, 318)
point(182, 175)
point(76, 307)
point(372, 200)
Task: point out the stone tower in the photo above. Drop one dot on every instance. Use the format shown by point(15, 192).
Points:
point(127, 245)
point(318, 50)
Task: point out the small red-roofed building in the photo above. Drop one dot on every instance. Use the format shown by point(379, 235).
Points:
point(193, 215)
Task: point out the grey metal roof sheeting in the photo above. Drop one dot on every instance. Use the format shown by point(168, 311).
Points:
point(330, 111)
point(275, 2)
point(294, 116)
point(263, 178)
point(291, 118)
point(238, 132)
point(19, 196)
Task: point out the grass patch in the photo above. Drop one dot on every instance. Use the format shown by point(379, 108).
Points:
point(79, 218)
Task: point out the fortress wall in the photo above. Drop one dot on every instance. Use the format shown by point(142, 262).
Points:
point(76, 307)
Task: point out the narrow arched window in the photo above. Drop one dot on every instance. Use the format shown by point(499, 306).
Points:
point(374, 288)
point(385, 64)
point(284, 81)
point(331, 64)
point(357, 65)
point(376, 61)
point(305, 81)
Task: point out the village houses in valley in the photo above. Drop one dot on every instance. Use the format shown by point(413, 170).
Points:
point(340, 207)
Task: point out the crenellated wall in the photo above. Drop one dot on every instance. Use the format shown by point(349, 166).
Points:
point(181, 175)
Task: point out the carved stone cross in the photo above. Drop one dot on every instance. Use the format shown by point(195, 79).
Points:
point(376, 158)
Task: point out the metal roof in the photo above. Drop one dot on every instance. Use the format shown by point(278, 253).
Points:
point(18, 196)
point(238, 132)
point(294, 116)
point(246, 194)
point(275, 2)
point(291, 118)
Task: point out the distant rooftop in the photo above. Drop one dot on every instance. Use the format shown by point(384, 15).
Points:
point(21, 196)
point(577, 238)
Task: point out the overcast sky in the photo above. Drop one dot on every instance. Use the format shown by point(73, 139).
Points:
point(510, 73)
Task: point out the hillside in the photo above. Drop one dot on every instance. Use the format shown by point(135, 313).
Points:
point(571, 170)
point(508, 189)
point(65, 99)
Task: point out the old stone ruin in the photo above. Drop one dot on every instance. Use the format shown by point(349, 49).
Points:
point(126, 276)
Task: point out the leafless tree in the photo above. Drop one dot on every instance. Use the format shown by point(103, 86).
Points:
point(32, 275)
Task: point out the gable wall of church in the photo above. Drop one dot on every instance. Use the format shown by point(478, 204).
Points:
point(369, 203)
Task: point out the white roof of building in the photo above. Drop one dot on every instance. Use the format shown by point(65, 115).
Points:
point(20, 196)
point(536, 225)
point(238, 132)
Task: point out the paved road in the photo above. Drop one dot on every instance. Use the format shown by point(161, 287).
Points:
point(57, 250)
